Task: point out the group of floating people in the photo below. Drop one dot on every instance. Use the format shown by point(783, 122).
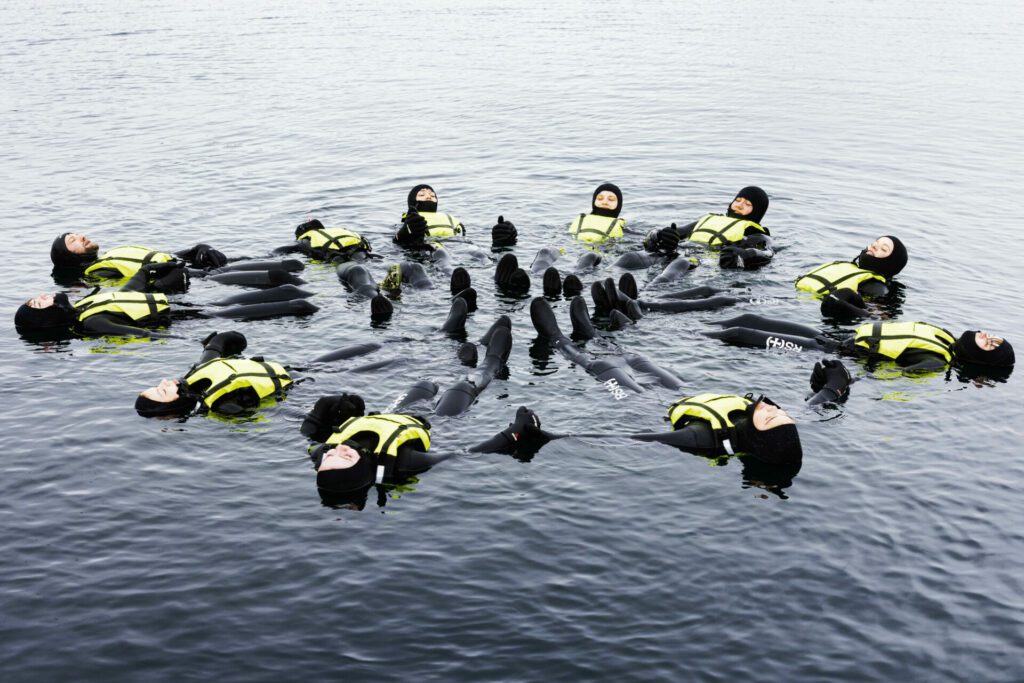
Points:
point(359, 449)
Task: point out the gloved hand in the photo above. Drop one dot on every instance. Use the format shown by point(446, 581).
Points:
point(844, 303)
point(664, 241)
point(203, 256)
point(413, 230)
point(503, 234)
point(333, 410)
point(312, 224)
point(830, 374)
point(170, 276)
point(525, 426)
point(225, 343)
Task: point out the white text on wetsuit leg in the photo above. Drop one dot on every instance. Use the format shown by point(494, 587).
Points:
point(781, 344)
point(614, 389)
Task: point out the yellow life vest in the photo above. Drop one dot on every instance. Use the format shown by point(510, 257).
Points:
point(441, 225)
point(392, 431)
point(590, 227)
point(128, 260)
point(718, 230)
point(892, 339)
point(334, 239)
point(135, 306)
point(230, 374)
point(834, 276)
point(714, 409)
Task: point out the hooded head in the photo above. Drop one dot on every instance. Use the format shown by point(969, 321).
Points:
point(882, 258)
point(169, 398)
point(979, 348)
point(775, 444)
point(605, 211)
point(63, 257)
point(758, 199)
point(422, 204)
point(352, 470)
point(46, 312)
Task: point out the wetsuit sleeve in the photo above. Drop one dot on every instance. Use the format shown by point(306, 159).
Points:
point(106, 324)
point(919, 359)
point(873, 288)
point(294, 247)
point(696, 436)
point(685, 231)
point(412, 461)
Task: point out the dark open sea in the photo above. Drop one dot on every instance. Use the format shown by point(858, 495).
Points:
point(136, 549)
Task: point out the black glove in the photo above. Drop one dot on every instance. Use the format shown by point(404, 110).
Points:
point(312, 224)
point(503, 234)
point(525, 427)
point(170, 276)
point(664, 241)
point(844, 304)
point(830, 374)
point(413, 230)
point(203, 256)
point(333, 410)
point(225, 343)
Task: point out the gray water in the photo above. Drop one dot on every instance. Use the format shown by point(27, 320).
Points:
point(139, 549)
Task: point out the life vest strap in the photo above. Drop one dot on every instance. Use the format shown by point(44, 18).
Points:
point(719, 234)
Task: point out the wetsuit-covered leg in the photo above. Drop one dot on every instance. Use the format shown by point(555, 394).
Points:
point(544, 259)
point(274, 309)
point(456, 320)
point(580, 317)
point(636, 260)
point(502, 321)
point(604, 368)
point(281, 293)
point(759, 322)
point(290, 265)
point(745, 336)
point(642, 364)
point(678, 268)
point(552, 282)
point(701, 292)
point(469, 295)
point(510, 277)
point(413, 274)
point(588, 260)
point(571, 286)
point(460, 280)
point(684, 305)
point(348, 352)
point(420, 391)
point(258, 278)
point(457, 398)
point(357, 279)
point(381, 308)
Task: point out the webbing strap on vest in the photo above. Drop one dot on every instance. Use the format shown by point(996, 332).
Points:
point(147, 299)
point(604, 233)
point(830, 286)
point(720, 234)
point(875, 340)
point(141, 261)
point(270, 374)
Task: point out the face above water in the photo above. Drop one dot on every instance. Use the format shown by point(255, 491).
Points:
point(165, 392)
point(741, 206)
point(606, 200)
point(881, 248)
point(41, 301)
point(78, 243)
point(341, 457)
point(426, 195)
point(767, 416)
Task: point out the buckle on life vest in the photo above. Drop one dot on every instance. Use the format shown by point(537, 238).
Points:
point(727, 445)
point(379, 479)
